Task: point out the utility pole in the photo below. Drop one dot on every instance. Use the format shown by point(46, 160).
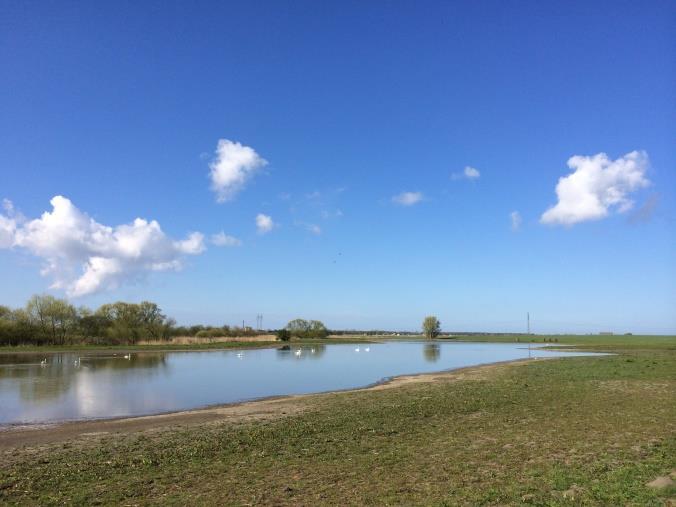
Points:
point(528, 322)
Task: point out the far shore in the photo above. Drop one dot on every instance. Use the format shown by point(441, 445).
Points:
point(190, 343)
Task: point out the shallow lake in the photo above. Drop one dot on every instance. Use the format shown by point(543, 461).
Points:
point(68, 386)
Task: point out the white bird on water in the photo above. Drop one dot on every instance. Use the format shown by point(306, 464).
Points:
point(127, 356)
point(298, 352)
point(357, 349)
point(367, 349)
point(240, 355)
point(43, 362)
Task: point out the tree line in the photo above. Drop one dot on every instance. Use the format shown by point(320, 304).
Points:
point(47, 320)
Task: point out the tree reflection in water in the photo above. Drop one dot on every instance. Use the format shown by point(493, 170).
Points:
point(38, 381)
point(431, 352)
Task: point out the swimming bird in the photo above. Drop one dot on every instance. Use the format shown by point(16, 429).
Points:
point(357, 349)
point(367, 349)
point(44, 361)
point(127, 356)
point(240, 355)
point(298, 352)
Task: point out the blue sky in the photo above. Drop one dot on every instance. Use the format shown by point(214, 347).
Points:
point(345, 106)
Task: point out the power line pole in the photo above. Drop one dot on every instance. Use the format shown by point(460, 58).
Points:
point(528, 322)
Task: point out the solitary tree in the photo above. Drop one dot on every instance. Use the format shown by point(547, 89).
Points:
point(431, 327)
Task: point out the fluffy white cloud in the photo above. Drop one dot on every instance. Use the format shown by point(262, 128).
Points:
point(407, 198)
point(233, 166)
point(264, 223)
point(222, 239)
point(515, 218)
point(596, 185)
point(84, 256)
point(469, 173)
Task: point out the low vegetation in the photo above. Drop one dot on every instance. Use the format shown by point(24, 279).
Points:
point(573, 431)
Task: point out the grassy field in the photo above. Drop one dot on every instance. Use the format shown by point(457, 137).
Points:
point(597, 342)
point(573, 431)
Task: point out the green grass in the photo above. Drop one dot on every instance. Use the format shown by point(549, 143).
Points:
point(588, 341)
point(596, 428)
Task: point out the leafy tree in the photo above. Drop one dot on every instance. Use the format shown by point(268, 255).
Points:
point(301, 328)
point(5, 312)
point(152, 319)
point(54, 317)
point(431, 327)
point(298, 328)
point(283, 335)
point(317, 329)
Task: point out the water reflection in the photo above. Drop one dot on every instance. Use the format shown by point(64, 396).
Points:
point(41, 378)
point(56, 387)
point(301, 351)
point(432, 352)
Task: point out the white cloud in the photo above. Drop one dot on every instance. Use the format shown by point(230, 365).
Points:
point(407, 198)
point(83, 256)
point(233, 166)
point(516, 220)
point(596, 185)
point(7, 231)
point(469, 173)
point(264, 223)
point(222, 239)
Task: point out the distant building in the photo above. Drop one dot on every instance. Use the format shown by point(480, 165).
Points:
point(606, 333)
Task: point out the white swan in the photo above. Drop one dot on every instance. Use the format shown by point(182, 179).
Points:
point(43, 362)
point(367, 349)
point(127, 356)
point(357, 349)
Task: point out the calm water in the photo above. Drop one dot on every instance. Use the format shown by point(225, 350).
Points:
point(71, 386)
